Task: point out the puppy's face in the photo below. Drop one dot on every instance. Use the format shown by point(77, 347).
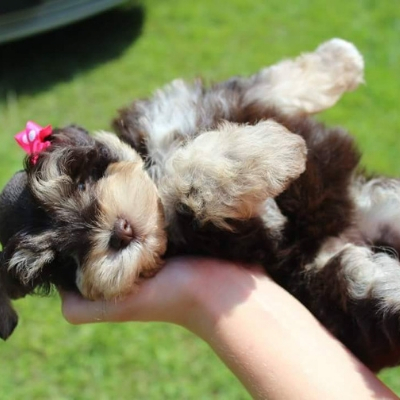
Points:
point(96, 220)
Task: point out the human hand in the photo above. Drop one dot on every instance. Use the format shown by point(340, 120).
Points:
point(181, 293)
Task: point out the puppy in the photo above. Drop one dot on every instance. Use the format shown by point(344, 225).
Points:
point(238, 171)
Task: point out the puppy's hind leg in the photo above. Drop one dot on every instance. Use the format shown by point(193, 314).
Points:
point(356, 295)
point(310, 83)
point(228, 173)
point(378, 212)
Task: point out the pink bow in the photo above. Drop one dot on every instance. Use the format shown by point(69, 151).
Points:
point(32, 139)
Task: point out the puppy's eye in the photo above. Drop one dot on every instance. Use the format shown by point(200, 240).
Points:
point(81, 186)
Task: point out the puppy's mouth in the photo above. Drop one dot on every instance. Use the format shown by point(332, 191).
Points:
point(149, 273)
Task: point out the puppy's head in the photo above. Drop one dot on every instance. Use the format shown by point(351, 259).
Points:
point(85, 215)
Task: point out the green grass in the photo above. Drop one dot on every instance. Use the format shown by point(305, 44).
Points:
point(83, 74)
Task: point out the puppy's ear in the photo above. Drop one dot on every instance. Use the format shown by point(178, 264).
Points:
point(24, 237)
point(27, 256)
point(16, 207)
point(8, 317)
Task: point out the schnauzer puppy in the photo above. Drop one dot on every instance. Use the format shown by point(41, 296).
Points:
point(238, 171)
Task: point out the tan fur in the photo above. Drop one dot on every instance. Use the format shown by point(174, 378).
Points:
point(311, 82)
point(127, 192)
point(230, 172)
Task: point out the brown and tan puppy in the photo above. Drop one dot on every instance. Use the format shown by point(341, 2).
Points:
point(237, 170)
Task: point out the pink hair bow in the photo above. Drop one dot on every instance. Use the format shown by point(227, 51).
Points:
point(32, 139)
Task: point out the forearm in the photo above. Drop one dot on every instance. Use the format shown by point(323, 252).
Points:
point(266, 337)
point(258, 335)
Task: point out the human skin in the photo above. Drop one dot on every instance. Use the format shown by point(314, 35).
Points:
point(270, 341)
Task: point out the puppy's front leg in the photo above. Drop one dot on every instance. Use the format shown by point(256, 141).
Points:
point(228, 173)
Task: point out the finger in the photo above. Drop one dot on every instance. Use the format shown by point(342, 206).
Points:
point(77, 310)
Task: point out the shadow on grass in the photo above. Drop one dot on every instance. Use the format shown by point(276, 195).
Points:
point(34, 64)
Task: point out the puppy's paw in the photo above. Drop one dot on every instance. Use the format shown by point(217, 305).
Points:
point(228, 173)
point(377, 204)
point(343, 62)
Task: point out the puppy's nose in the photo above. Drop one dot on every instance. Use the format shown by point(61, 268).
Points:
point(122, 234)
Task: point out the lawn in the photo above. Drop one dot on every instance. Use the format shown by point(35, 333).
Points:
point(85, 72)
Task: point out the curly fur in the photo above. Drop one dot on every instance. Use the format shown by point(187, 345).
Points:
point(237, 170)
